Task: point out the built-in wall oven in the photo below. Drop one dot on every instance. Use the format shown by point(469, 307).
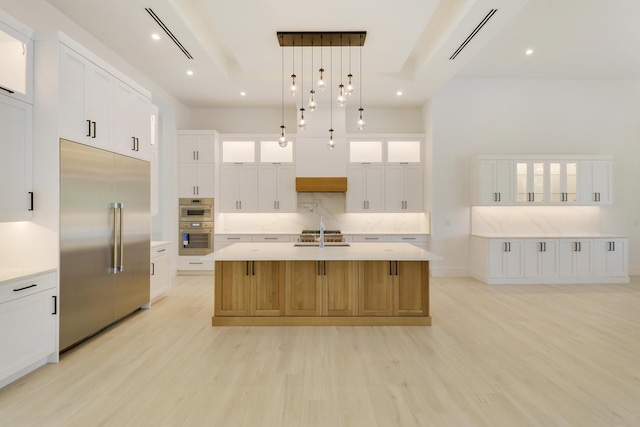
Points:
point(196, 227)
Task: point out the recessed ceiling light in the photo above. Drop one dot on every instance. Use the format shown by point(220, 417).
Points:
point(528, 51)
point(189, 72)
point(399, 93)
point(155, 36)
point(243, 93)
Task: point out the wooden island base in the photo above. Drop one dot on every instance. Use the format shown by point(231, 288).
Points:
point(321, 293)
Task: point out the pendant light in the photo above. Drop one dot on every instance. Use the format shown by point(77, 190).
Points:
point(301, 123)
point(293, 88)
point(321, 83)
point(360, 110)
point(350, 87)
point(282, 141)
point(342, 100)
point(312, 102)
point(331, 143)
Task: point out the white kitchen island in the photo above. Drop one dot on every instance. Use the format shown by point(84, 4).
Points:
point(301, 284)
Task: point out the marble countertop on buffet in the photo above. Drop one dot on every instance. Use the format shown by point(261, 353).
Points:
point(8, 274)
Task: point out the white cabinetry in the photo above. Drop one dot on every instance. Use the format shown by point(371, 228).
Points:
point(611, 258)
point(576, 258)
point(596, 178)
point(160, 269)
point(493, 182)
point(16, 57)
point(194, 265)
point(196, 164)
point(563, 182)
point(239, 188)
point(132, 116)
point(554, 261)
point(540, 258)
point(15, 159)
point(531, 178)
point(154, 159)
point(366, 188)
point(224, 240)
point(28, 325)
point(403, 187)
point(86, 101)
point(277, 188)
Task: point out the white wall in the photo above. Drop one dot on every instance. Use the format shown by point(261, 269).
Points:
point(497, 116)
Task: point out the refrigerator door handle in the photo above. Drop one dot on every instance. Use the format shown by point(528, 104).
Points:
point(121, 263)
point(114, 239)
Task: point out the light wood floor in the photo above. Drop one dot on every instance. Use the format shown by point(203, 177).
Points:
point(525, 355)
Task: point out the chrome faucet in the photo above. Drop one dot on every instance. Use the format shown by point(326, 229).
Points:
point(321, 238)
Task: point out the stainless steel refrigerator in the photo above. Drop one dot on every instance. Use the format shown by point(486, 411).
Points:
point(104, 239)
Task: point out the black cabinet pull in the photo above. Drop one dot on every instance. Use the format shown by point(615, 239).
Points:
point(55, 304)
point(30, 201)
point(89, 129)
point(246, 268)
point(94, 129)
point(318, 267)
point(153, 269)
point(396, 268)
point(6, 90)
point(133, 143)
point(544, 246)
point(161, 250)
point(390, 268)
point(26, 287)
point(253, 268)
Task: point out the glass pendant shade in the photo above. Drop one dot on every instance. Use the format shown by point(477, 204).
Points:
point(312, 101)
point(301, 123)
point(321, 83)
point(331, 143)
point(350, 87)
point(360, 119)
point(282, 141)
point(293, 88)
point(342, 100)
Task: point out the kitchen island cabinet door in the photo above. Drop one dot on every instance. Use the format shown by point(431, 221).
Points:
point(304, 285)
point(232, 288)
point(411, 290)
point(376, 288)
point(340, 288)
point(267, 288)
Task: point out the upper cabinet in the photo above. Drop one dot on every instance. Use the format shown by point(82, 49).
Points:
point(16, 57)
point(132, 120)
point(86, 101)
point(385, 175)
point(16, 203)
point(542, 180)
point(196, 163)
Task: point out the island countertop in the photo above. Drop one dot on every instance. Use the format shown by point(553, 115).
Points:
point(340, 251)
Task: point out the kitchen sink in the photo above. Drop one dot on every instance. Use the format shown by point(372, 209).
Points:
point(316, 244)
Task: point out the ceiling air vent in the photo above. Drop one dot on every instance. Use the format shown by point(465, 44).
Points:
point(473, 33)
point(168, 31)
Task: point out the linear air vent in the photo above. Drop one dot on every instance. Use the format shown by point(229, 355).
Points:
point(473, 33)
point(168, 31)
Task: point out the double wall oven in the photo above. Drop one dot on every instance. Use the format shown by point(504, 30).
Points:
point(196, 226)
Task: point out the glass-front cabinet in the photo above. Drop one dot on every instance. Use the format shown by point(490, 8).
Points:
point(530, 181)
point(563, 182)
point(16, 57)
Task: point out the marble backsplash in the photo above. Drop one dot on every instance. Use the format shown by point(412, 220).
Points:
point(535, 220)
point(332, 206)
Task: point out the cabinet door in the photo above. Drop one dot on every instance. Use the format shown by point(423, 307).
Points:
point(495, 182)
point(566, 261)
point(73, 84)
point(15, 159)
point(30, 332)
point(375, 188)
point(610, 258)
point(304, 290)
point(160, 275)
point(141, 112)
point(411, 292)
point(413, 188)
point(232, 288)
point(247, 177)
point(356, 189)
point(228, 189)
point(497, 249)
point(540, 258)
point(99, 107)
point(514, 259)
point(340, 288)
point(596, 182)
point(395, 188)
point(563, 182)
point(531, 182)
point(267, 188)
point(187, 180)
point(376, 288)
point(503, 181)
point(267, 288)
point(187, 148)
point(287, 195)
point(205, 180)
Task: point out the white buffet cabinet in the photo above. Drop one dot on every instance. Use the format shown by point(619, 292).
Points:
point(549, 259)
point(160, 268)
point(28, 322)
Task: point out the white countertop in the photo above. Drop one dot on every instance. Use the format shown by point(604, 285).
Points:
point(355, 251)
point(156, 243)
point(9, 274)
point(551, 236)
point(344, 233)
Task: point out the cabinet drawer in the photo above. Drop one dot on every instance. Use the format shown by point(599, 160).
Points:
point(233, 239)
point(372, 238)
point(23, 287)
point(159, 251)
point(271, 238)
point(194, 264)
